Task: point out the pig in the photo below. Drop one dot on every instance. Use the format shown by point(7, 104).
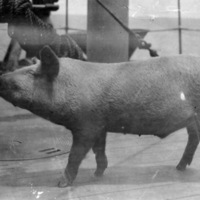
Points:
point(155, 96)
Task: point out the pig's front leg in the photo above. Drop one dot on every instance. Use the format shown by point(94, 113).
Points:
point(193, 140)
point(99, 150)
point(80, 147)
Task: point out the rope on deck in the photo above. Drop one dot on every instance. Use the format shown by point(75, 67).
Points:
point(142, 44)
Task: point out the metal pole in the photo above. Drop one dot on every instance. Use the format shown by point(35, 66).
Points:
point(66, 17)
point(179, 27)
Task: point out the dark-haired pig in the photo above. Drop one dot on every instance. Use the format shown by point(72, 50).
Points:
point(149, 97)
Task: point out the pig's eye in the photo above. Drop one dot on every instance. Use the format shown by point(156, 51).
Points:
point(31, 73)
point(36, 74)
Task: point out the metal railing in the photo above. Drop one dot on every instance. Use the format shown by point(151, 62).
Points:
point(179, 27)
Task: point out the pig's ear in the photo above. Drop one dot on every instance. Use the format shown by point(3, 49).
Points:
point(49, 62)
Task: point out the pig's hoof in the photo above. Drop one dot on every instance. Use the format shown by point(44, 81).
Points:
point(64, 183)
point(98, 173)
point(181, 167)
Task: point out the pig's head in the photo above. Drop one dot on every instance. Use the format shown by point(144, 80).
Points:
point(33, 87)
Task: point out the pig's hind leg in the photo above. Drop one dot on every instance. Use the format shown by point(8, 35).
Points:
point(80, 147)
point(193, 140)
point(99, 151)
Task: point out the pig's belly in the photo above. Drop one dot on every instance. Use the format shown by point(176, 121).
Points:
point(160, 127)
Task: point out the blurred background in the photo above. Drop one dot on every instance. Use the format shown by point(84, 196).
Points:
point(160, 17)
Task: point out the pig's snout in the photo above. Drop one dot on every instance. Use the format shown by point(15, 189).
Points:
point(2, 84)
point(6, 84)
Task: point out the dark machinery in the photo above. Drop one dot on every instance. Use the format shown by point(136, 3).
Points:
point(31, 27)
point(42, 8)
point(77, 39)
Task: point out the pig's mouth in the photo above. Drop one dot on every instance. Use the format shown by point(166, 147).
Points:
point(3, 90)
point(6, 90)
point(12, 97)
point(4, 87)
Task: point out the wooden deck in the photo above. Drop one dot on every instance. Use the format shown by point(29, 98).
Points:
point(139, 167)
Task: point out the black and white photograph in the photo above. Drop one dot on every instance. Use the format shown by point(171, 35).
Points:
point(99, 100)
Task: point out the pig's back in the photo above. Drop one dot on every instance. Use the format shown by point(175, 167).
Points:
point(149, 96)
point(141, 97)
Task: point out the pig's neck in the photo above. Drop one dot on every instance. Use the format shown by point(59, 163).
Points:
point(57, 103)
point(58, 114)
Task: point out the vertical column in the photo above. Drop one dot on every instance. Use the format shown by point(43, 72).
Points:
point(66, 16)
point(106, 39)
point(179, 27)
